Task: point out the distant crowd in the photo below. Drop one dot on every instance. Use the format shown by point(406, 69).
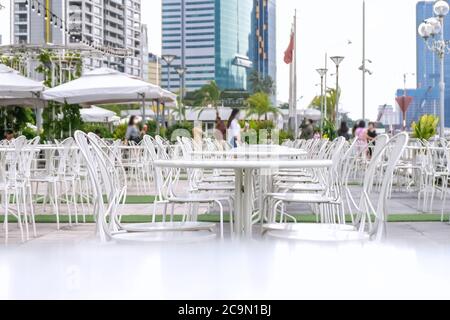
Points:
point(364, 135)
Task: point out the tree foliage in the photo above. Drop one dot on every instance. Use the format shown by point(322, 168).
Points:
point(331, 97)
point(259, 83)
point(260, 105)
point(60, 120)
point(208, 96)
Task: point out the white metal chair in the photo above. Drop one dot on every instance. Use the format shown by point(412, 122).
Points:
point(365, 230)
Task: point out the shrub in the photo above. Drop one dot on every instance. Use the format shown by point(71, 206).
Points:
point(29, 133)
point(286, 135)
point(120, 132)
point(181, 128)
point(426, 128)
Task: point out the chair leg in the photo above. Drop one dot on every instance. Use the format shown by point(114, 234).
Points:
point(221, 218)
point(230, 203)
point(74, 200)
point(33, 218)
point(55, 205)
point(25, 211)
point(19, 219)
point(6, 222)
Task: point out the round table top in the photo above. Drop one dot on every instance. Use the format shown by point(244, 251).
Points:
point(254, 151)
point(423, 148)
point(243, 164)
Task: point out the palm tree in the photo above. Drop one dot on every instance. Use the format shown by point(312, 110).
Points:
point(261, 105)
point(259, 83)
point(331, 97)
point(180, 110)
point(208, 96)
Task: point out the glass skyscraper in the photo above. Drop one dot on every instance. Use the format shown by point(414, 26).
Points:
point(426, 97)
point(221, 40)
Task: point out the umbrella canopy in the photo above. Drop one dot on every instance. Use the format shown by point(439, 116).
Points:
point(170, 97)
point(97, 115)
point(311, 114)
point(14, 86)
point(104, 86)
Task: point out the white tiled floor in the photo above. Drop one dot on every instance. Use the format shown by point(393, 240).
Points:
point(71, 263)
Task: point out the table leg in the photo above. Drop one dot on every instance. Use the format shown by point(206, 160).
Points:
point(247, 203)
point(238, 202)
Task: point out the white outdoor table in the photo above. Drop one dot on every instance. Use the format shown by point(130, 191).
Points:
point(253, 152)
point(244, 180)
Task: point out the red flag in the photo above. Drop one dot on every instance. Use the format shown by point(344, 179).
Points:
point(289, 53)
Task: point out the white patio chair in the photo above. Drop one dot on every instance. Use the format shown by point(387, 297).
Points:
point(365, 230)
point(15, 190)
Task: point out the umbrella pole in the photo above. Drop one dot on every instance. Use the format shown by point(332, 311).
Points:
point(143, 109)
point(157, 117)
point(163, 116)
point(53, 121)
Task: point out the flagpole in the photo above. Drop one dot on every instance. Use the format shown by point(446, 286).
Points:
point(326, 89)
point(295, 75)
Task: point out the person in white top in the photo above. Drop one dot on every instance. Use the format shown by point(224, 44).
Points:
point(234, 129)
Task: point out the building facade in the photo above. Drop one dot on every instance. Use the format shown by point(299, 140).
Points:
point(426, 97)
point(154, 69)
point(221, 40)
point(266, 39)
point(108, 23)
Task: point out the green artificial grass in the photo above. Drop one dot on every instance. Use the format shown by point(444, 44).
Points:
point(215, 218)
point(130, 200)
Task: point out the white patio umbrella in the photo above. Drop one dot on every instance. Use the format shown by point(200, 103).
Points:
point(14, 86)
point(311, 114)
point(17, 90)
point(97, 115)
point(104, 86)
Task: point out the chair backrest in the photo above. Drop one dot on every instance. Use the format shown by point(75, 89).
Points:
point(103, 176)
point(389, 156)
point(27, 155)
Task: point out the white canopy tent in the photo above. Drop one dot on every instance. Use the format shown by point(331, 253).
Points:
point(311, 114)
point(104, 86)
point(97, 115)
point(107, 86)
point(17, 90)
point(14, 86)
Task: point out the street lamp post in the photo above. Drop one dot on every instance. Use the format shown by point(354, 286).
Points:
point(168, 59)
point(322, 73)
point(337, 61)
point(181, 72)
point(434, 28)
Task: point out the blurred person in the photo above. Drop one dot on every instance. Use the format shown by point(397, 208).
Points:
point(361, 136)
point(221, 128)
point(307, 130)
point(234, 129)
point(344, 131)
point(133, 133)
point(371, 137)
point(9, 136)
point(144, 131)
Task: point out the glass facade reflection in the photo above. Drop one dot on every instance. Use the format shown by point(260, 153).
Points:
point(221, 40)
point(234, 38)
point(428, 72)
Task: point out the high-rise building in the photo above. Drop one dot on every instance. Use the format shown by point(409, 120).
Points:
point(154, 69)
point(266, 54)
point(426, 97)
point(221, 40)
point(108, 23)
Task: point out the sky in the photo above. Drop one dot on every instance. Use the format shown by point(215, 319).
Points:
point(327, 26)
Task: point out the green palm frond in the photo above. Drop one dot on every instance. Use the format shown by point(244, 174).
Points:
point(426, 128)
